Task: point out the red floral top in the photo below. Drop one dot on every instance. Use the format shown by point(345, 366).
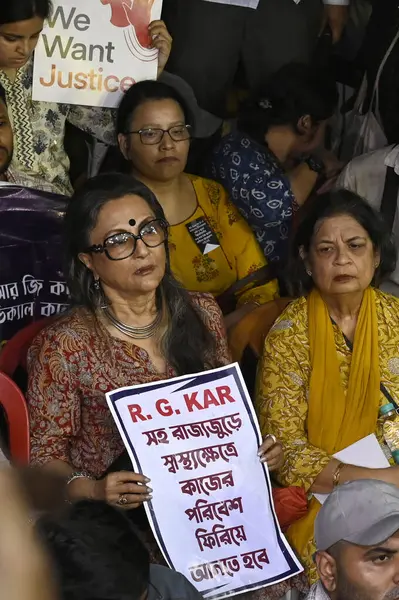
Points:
point(71, 365)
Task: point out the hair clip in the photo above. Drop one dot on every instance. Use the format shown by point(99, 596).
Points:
point(265, 103)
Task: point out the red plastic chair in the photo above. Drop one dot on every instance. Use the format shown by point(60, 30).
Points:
point(13, 402)
point(15, 351)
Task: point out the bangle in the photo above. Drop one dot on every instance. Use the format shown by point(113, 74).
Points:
point(79, 475)
point(72, 477)
point(337, 474)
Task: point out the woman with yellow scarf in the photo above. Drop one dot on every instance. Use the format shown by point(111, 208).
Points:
point(332, 358)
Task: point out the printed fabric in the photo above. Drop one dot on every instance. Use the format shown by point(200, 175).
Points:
point(39, 159)
point(259, 188)
point(71, 365)
point(236, 253)
point(282, 396)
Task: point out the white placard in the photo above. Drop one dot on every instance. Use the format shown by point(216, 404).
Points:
point(91, 52)
point(196, 437)
point(367, 452)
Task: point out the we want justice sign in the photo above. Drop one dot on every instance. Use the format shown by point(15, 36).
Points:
point(197, 438)
point(91, 52)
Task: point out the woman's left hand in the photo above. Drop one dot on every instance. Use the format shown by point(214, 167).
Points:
point(271, 452)
point(162, 40)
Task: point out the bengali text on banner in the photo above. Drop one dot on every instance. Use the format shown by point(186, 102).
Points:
point(197, 438)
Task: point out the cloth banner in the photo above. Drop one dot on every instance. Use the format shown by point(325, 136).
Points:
point(91, 52)
point(32, 285)
point(197, 438)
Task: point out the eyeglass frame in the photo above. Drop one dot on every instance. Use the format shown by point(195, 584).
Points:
point(140, 131)
point(101, 248)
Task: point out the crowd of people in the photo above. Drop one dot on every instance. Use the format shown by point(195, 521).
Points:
point(197, 219)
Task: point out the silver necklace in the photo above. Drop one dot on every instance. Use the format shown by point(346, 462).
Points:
point(138, 333)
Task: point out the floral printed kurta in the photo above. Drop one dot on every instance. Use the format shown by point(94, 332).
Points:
point(40, 160)
point(237, 256)
point(283, 385)
point(71, 365)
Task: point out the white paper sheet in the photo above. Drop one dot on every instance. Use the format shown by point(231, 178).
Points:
point(367, 452)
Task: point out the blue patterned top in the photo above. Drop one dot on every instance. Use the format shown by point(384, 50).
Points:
point(259, 188)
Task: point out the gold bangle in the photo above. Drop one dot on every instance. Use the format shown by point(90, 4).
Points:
point(337, 474)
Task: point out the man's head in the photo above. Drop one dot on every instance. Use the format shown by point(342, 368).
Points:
point(357, 539)
point(96, 553)
point(6, 135)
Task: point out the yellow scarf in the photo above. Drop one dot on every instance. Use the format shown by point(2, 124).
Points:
point(335, 419)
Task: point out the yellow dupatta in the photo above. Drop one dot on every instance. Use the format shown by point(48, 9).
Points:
point(335, 419)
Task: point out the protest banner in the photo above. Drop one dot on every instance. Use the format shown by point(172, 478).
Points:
point(32, 284)
point(91, 52)
point(197, 439)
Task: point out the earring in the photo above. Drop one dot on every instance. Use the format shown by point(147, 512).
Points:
point(309, 272)
point(97, 286)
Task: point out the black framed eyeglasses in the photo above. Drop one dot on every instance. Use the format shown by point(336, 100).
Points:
point(123, 244)
point(151, 136)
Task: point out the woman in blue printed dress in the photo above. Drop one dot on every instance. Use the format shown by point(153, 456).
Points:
point(270, 165)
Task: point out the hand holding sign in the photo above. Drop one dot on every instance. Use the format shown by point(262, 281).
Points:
point(162, 41)
point(124, 489)
point(271, 453)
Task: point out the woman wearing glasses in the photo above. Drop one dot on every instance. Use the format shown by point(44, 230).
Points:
point(131, 323)
point(212, 248)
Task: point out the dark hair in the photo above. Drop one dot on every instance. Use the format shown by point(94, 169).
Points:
point(292, 92)
point(188, 343)
point(330, 204)
point(96, 553)
point(3, 96)
point(21, 10)
point(142, 92)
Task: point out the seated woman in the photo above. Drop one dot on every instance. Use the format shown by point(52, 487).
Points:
point(267, 165)
point(212, 248)
point(330, 361)
point(131, 323)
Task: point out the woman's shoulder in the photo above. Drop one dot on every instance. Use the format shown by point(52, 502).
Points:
point(387, 304)
point(206, 303)
point(73, 325)
point(293, 320)
point(207, 185)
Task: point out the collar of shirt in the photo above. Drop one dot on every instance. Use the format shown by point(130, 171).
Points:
point(392, 159)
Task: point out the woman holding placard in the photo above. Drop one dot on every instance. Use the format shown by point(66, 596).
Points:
point(331, 360)
point(131, 323)
point(40, 160)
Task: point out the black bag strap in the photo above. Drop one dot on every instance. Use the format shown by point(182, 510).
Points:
point(390, 196)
